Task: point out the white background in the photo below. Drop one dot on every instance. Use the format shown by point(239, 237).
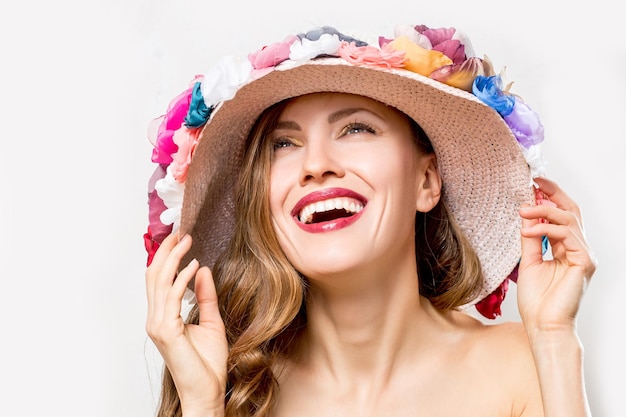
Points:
point(79, 83)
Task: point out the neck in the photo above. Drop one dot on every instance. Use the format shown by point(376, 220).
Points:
point(367, 333)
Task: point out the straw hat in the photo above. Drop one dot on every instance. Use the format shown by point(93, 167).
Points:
point(486, 139)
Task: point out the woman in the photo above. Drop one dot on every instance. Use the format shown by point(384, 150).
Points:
point(342, 205)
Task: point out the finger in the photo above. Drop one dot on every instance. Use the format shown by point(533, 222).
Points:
point(159, 258)
point(567, 244)
point(154, 269)
point(531, 243)
point(167, 273)
point(206, 297)
point(546, 214)
point(558, 196)
point(555, 233)
point(550, 213)
point(164, 249)
point(173, 304)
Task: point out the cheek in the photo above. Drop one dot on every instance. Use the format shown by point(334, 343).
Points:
point(393, 166)
point(278, 189)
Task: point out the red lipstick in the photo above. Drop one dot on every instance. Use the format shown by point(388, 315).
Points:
point(332, 224)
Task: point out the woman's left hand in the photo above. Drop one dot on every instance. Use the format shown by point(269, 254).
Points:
point(549, 291)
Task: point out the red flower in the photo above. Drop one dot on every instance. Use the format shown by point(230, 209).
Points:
point(151, 245)
point(490, 305)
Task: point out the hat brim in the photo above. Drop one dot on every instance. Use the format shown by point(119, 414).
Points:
point(482, 166)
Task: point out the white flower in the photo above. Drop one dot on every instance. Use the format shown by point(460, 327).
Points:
point(307, 49)
point(413, 35)
point(222, 81)
point(189, 300)
point(535, 160)
point(171, 192)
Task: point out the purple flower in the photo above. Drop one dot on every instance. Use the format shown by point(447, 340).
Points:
point(525, 125)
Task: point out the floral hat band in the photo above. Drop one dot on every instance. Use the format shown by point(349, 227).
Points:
point(487, 140)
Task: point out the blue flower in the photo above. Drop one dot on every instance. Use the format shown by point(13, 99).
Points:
point(198, 112)
point(489, 91)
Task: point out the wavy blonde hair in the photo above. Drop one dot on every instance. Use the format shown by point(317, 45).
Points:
point(262, 297)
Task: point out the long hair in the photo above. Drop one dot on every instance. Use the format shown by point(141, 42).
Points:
point(262, 297)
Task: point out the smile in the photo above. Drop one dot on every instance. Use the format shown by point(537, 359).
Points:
point(329, 209)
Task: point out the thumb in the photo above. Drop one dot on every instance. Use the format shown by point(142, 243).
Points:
point(206, 297)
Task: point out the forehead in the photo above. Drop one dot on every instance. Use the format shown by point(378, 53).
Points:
point(328, 102)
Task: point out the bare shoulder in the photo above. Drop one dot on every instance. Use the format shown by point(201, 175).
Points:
point(502, 353)
point(495, 345)
point(506, 336)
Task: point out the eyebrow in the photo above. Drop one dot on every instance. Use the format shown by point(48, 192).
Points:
point(343, 113)
point(334, 117)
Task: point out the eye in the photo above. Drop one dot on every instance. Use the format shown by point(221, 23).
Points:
point(282, 142)
point(358, 127)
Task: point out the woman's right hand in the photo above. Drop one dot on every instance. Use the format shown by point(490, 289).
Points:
point(195, 354)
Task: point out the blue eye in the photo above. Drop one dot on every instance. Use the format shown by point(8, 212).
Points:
point(358, 127)
point(281, 143)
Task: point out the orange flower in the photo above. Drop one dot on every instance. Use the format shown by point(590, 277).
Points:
point(462, 75)
point(418, 59)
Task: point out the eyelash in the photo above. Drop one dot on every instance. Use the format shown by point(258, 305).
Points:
point(357, 126)
point(352, 128)
point(280, 143)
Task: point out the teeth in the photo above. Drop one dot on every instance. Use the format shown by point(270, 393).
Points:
point(347, 204)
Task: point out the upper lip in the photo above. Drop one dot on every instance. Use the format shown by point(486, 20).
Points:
point(325, 194)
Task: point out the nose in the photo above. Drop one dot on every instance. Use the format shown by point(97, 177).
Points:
point(321, 161)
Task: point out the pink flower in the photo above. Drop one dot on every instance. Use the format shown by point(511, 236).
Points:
point(271, 55)
point(453, 49)
point(161, 137)
point(446, 41)
point(542, 200)
point(169, 123)
point(186, 139)
point(386, 57)
point(156, 206)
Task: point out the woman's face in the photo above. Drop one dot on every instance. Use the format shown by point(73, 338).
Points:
point(344, 184)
